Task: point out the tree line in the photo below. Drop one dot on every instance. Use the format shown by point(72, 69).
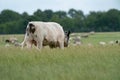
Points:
point(12, 22)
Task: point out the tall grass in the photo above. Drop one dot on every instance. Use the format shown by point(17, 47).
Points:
point(73, 63)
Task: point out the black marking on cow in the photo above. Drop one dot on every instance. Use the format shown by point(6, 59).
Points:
point(67, 36)
point(45, 42)
point(32, 28)
point(34, 42)
point(53, 45)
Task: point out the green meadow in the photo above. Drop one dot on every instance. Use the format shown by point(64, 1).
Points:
point(83, 62)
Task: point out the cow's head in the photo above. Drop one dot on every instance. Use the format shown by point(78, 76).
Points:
point(66, 40)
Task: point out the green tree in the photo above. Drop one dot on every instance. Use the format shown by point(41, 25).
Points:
point(9, 15)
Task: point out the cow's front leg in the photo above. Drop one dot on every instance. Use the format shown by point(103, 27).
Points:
point(39, 44)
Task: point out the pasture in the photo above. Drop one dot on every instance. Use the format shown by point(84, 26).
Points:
point(73, 63)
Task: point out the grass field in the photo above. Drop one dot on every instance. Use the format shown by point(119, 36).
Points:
point(73, 63)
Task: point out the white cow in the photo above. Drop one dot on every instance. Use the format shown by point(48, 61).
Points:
point(44, 33)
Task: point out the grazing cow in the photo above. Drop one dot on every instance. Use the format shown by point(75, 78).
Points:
point(44, 33)
point(66, 41)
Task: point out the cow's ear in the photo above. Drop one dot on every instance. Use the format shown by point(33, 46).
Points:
point(32, 28)
point(68, 33)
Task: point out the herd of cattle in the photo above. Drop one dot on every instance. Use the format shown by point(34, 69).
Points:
point(50, 34)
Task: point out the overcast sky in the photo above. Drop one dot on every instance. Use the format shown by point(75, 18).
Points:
point(30, 6)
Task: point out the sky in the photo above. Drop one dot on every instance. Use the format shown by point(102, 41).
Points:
point(86, 6)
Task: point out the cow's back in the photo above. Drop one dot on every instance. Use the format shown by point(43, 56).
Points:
point(55, 28)
point(52, 31)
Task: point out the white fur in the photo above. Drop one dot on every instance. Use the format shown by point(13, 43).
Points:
point(51, 31)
